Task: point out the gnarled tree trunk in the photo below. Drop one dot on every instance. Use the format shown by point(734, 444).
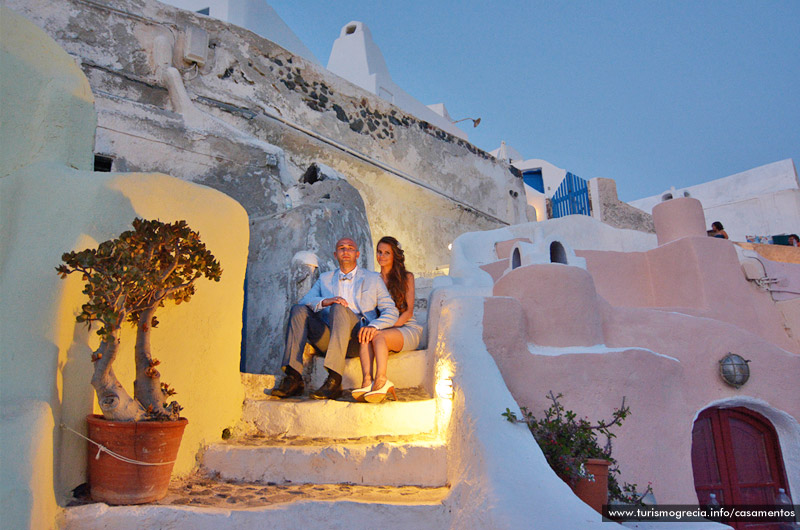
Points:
point(147, 386)
point(114, 400)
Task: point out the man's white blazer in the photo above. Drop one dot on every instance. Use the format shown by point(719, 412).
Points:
point(375, 304)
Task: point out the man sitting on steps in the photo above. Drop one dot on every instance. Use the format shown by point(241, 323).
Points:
point(345, 307)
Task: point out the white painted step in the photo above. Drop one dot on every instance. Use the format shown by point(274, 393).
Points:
point(256, 386)
point(308, 418)
point(405, 369)
point(308, 515)
point(411, 463)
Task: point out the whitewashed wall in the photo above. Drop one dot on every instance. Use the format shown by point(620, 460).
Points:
point(760, 201)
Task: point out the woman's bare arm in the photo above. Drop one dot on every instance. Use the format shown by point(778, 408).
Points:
point(406, 315)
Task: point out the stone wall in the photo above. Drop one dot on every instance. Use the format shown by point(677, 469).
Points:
point(251, 120)
point(607, 207)
point(321, 213)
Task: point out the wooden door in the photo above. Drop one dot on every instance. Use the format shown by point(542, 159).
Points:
point(735, 455)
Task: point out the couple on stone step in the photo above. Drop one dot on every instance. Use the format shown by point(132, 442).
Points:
point(349, 312)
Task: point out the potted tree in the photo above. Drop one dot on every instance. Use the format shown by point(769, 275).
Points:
point(127, 279)
point(573, 451)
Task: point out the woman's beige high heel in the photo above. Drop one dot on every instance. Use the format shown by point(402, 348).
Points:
point(358, 393)
point(377, 396)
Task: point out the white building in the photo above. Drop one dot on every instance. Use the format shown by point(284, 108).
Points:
point(541, 178)
point(256, 15)
point(354, 56)
point(357, 58)
point(763, 201)
point(569, 194)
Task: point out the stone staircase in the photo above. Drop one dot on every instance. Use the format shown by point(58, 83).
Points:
point(312, 464)
point(369, 461)
point(337, 441)
point(412, 414)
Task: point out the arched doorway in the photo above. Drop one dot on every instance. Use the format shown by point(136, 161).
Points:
point(557, 253)
point(735, 455)
point(516, 259)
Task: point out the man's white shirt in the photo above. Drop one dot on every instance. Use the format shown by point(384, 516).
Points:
point(344, 288)
point(345, 284)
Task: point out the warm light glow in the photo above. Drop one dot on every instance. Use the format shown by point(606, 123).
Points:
point(444, 388)
point(444, 391)
point(450, 246)
point(444, 410)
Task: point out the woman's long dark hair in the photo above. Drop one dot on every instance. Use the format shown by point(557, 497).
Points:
point(396, 279)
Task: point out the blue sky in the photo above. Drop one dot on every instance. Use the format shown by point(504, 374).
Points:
point(650, 93)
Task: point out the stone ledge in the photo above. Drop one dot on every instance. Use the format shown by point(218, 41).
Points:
point(199, 502)
point(342, 418)
point(406, 369)
point(779, 253)
point(257, 439)
point(416, 463)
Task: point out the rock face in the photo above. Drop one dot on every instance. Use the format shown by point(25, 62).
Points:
point(248, 118)
point(608, 208)
point(326, 211)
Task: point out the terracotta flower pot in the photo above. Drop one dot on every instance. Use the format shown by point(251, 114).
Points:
point(114, 481)
point(595, 493)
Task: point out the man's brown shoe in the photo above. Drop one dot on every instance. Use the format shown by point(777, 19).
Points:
point(330, 389)
point(290, 386)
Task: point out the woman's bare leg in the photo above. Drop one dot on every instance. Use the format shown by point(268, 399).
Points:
point(385, 341)
point(366, 355)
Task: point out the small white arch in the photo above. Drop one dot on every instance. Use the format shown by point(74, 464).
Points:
point(545, 250)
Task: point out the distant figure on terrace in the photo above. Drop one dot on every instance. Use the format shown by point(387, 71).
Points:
point(794, 240)
point(406, 333)
point(718, 231)
point(344, 307)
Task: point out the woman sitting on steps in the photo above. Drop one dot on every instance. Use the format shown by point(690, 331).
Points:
point(406, 333)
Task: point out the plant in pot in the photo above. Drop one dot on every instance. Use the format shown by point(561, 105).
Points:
point(573, 451)
point(126, 280)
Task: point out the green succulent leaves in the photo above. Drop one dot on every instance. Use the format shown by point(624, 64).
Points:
point(138, 270)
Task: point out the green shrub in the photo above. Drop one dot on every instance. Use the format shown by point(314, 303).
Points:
point(568, 442)
point(127, 279)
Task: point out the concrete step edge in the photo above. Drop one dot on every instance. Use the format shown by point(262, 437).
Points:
point(338, 419)
point(406, 370)
point(349, 511)
point(421, 464)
